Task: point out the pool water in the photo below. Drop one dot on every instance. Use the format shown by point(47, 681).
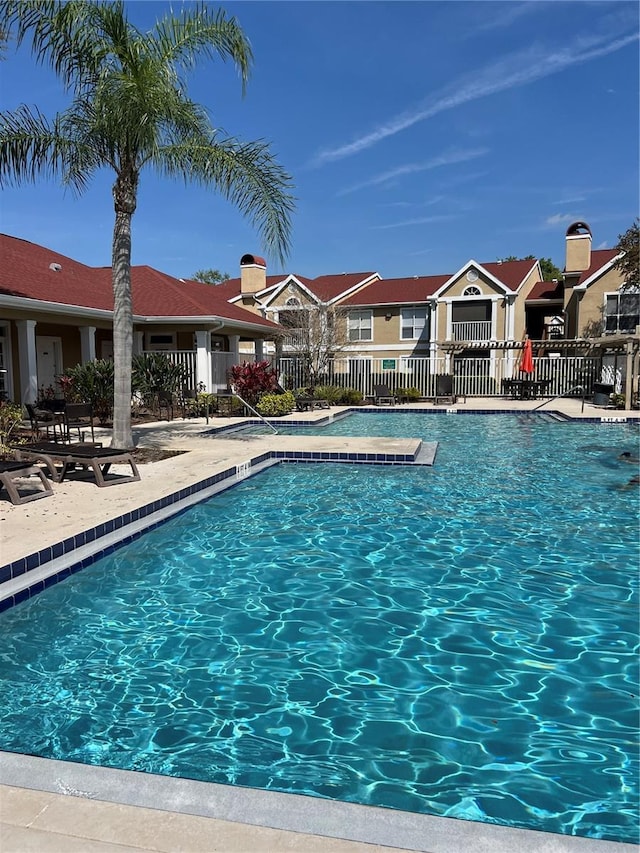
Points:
point(458, 640)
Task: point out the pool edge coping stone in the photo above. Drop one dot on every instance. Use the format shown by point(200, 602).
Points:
point(288, 811)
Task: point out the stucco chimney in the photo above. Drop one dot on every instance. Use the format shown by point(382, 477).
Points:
point(578, 251)
point(253, 275)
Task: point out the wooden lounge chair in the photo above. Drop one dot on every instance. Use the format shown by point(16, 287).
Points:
point(383, 396)
point(12, 472)
point(93, 456)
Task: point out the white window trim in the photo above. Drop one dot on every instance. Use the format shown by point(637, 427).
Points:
point(361, 314)
point(413, 310)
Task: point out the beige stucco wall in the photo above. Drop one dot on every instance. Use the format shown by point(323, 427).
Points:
point(578, 253)
point(590, 306)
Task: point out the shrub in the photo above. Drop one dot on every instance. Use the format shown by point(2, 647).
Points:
point(276, 405)
point(10, 420)
point(412, 394)
point(350, 397)
point(153, 373)
point(92, 382)
point(331, 393)
point(251, 379)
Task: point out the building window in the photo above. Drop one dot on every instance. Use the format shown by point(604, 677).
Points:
point(414, 322)
point(472, 291)
point(622, 313)
point(360, 326)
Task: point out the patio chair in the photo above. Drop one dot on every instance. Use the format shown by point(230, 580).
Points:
point(99, 459)
point(12, 472)
point(78, 416)
point(444, 388)
point(43, 421)
point(383, 396)
point(165, 401)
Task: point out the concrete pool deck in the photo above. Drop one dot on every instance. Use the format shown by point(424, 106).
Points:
point(58, 806)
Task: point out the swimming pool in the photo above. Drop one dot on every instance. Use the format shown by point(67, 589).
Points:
point(456, 640)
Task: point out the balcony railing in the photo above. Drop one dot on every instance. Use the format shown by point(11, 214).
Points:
point(478, 330)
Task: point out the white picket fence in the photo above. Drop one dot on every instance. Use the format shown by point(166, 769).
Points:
point(473, 377)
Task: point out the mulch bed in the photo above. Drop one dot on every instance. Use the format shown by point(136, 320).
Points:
point(143, 455)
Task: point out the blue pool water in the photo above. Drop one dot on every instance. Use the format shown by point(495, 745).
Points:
point(460, 641)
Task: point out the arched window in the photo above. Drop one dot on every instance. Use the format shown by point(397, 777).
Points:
point(293, 302)
point(472, 291)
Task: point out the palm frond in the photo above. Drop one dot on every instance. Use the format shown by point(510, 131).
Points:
point(199, 32)
point(246, 174)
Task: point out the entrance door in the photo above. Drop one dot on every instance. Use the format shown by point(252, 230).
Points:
point(49, 361)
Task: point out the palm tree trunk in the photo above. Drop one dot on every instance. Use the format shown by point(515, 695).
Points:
point(122, 330)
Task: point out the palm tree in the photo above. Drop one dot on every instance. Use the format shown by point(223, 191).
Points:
point(130, 110)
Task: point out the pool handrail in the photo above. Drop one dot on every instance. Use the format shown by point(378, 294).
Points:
point(251, 409)
point(564, 394)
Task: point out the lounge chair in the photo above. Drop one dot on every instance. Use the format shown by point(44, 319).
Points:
point(12, 472)
point(93, 456)
point(444, 388)
point(382, 396)
point(305, 403)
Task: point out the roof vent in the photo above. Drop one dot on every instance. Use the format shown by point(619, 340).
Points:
point(55, 267)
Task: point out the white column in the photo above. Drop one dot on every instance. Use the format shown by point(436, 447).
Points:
point(433, 334)
point(87, 343)
point(27, 360)
point(234, 347)
point(138, 343)
point(259, 349)
point(203, 359)
point(448, 335)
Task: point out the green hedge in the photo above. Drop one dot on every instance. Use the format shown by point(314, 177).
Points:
point(276, 405)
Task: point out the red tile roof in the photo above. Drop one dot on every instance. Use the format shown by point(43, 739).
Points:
point(510, 273)
point(547, 290)
point(329, 286)
point(26, 272)
point(392, 291)
point(599, 258)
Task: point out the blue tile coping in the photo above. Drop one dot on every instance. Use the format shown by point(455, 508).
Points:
point(29, 575)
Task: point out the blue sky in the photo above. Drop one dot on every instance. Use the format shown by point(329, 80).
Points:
point(418, 135)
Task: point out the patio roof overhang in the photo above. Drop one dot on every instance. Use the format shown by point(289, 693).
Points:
point(548, 343)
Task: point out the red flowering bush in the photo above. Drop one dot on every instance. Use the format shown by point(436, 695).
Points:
point(252, 379)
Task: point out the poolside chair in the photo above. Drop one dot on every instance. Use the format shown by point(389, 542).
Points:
point(43, 421)
point(12, 472)
point(60, 459)
point(444, 388)
point(165, 401)
point(382, 396)
point(78, 416)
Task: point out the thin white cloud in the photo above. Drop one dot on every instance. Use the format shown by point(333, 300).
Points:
point(447, 159)
point(574, 200)
point(422, 221)
point(558, 219)
point(518, 69)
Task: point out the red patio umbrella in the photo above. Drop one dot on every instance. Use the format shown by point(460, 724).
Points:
point(526, 361)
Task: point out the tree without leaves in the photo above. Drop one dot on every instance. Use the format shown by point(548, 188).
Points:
point(130, 110)
point(317, 334)
point(211, 276)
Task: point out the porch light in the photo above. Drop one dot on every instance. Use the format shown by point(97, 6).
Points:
point(388, 316)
